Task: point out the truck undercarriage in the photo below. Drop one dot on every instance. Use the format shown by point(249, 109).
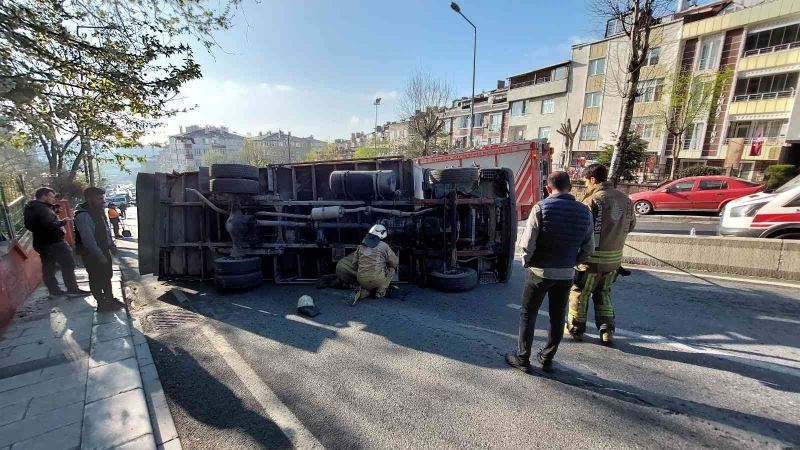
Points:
point(451, 228)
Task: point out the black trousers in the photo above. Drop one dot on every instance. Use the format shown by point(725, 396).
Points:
point(536, 288)
point(115, 224)
point(100, 273)
point(54, 256)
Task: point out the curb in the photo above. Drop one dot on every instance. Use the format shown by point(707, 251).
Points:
point(678, 219)
point(164, 432)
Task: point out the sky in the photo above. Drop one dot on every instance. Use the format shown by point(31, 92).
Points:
point(314, 67)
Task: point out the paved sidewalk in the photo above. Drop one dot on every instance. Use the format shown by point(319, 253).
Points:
point(73, 378)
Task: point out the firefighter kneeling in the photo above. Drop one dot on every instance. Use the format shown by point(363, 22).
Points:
point(371, 266)
point(613, 220)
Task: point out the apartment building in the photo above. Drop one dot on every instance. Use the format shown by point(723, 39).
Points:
point(282, 147)
point(760, 42)
point(184, 151)
point(491, 117)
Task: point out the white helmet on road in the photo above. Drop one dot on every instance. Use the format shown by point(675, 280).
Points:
point(379, 231)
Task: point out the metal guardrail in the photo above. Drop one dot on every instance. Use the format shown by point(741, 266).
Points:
point(764, 96)
point(774, 48)
point(765, 140)
point(12, 221)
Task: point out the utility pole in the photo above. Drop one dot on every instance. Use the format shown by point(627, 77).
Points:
point(289, 144)
point(375, 136)
point(454, 6)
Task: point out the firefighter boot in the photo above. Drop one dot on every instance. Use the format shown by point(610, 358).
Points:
point(573, 332)
point(606, 336)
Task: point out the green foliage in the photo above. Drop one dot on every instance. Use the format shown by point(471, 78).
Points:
point(214, 157)
point(779, 174)
point(698, 171)
point(630, 158)
point(365, 152)
point(324, 152)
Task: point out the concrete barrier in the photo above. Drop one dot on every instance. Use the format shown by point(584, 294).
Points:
point(770, 258)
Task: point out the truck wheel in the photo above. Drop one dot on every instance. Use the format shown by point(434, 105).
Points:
point(465, 175)
point(241, 281)
point(455, 280)
point(233, 186)
point(236, 266)
point(242, 171)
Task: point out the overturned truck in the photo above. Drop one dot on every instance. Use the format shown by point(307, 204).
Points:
point(239, 225)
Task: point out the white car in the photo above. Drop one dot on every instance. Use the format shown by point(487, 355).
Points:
point(773, 214)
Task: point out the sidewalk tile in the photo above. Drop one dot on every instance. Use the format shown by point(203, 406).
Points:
point(13, 412)
point(109, 331)
point(110, 316)
point(74, 349)
point(43, 388)
point(141, 443)
point(112, 421)
point(160, 415)
point(72, 368)
point(112, 379)
point(40, 424)
point(111, 351)
point(174, 444)
point(143, 354)
point(57, 400)
point(34, 350)
point(65, 438)
point(20, 380)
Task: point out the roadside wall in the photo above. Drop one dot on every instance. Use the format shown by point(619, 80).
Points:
point(771, 258)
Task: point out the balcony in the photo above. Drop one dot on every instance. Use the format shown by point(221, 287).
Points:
point(769, 102)
point(690, 153)
point(768, 50)
point(530, 89)
point(770, 147)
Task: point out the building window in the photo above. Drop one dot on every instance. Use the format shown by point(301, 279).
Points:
point(548, 106)
point(516, 133)
point(495, 121)
point(693, 139)
point(709, 53)
point(519, 108)
point(447, 125)
point(544, 132)
point(649, 90)
point(769, 86)
point(589, 132)
point(597, 66)
point(776, 39)
point(645, 129)
point(652, 56)
point(463, 121)
point(560, 73)
point(593, 100)
point(478, 120)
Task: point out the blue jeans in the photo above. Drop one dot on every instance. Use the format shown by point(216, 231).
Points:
point(533, 295)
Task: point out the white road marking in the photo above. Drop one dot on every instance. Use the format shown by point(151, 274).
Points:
point(279, 413)
point(791, 371)
point(716, 277)
point(241, 306)
point(779, 319)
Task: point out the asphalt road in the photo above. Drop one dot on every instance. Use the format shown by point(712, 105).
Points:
point(697, 363)
point(673, 224)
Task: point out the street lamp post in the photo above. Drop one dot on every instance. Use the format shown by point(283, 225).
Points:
point(375, 136)
point(454, 6)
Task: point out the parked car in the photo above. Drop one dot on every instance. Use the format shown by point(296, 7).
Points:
point(705, 193)
point(773, 214)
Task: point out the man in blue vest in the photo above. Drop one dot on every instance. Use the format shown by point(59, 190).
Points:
point(557, 237)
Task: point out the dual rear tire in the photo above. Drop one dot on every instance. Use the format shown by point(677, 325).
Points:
point(237, 273)
point(234, 179)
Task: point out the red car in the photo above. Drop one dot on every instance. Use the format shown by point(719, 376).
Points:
point(705, 193)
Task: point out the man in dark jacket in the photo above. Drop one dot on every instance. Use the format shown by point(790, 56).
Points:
point(48, 240)
point(95, 245)
point(557, 236)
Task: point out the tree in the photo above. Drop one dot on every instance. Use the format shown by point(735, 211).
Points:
point(422, 103)
point(214, 156)
point(630, 160)
point(365, 151)
point(325, 152)
point(97, 73)
point(691, 97)
point(569, 134)
point(636, 19)
point(255, 154)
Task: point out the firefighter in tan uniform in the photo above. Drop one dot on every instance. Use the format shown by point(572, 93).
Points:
point(613, 220)
point(374, 264)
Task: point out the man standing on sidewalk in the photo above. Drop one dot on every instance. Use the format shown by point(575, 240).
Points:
point(95, 245)
point(48, 240)
point(613, 220)
point(558, 235)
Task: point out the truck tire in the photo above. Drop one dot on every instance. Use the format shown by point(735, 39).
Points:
point(233, 186)
point(458, 280)
point(465, 175)
point(241, 171)
point(227, 265)
point(241, 281)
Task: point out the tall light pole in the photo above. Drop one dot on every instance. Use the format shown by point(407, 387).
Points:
point(454, 6)
point(375, 136)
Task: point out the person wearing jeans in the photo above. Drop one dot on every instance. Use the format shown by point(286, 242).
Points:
point(48, 240)
point(558, 235)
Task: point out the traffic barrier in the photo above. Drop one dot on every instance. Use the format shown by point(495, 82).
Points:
point(770, 258)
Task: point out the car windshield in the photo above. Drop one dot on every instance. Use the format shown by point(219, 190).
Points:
point(793, 183)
